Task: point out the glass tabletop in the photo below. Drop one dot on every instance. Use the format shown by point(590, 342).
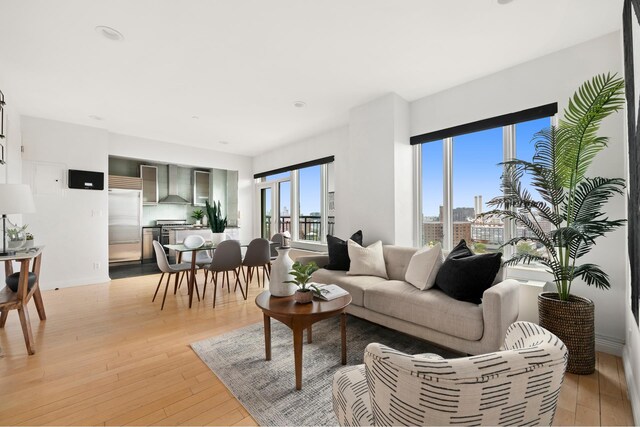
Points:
point(179, 247)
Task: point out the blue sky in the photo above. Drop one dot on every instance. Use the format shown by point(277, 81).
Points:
point(309, 190)
point(310, 187)
point(475, 169)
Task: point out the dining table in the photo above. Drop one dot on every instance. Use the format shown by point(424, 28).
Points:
point(181, 248)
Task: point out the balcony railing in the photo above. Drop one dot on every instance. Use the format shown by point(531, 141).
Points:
point(310, 227)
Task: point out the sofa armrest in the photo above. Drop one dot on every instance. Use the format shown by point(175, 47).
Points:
point(321, 260)
point(500, 308)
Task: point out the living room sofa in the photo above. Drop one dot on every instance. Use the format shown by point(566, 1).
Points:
point(430, 314)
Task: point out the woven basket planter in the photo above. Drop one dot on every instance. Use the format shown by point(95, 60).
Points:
point(573, 322)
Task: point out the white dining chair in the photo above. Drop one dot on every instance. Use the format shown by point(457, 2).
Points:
point(166, 268)
point(227, 257)
point(203, 258)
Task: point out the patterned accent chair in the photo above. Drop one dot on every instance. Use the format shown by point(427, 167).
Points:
point(517, 386)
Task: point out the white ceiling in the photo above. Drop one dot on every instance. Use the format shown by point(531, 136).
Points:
point(240, 64)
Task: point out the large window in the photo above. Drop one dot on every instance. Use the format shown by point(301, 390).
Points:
point(459, 175)
point(432, 205)
point(302, 201)
point(476, 180)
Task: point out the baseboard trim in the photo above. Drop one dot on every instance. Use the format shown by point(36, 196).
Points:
point(76, 282)
point(609, 345)
point(632, 386)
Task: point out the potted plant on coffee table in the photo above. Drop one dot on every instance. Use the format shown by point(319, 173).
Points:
point(301, 276)
point(216, 222)
point(573, 204)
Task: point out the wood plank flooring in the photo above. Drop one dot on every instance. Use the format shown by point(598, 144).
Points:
point(107, 355)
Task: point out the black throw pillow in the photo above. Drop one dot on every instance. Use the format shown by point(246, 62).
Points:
point(338, 253)
point(465, 276)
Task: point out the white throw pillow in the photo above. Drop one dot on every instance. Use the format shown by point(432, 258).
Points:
point(367, 261)
point(423, 267)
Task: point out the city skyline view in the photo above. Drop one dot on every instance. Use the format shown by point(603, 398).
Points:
point(310, 187)
point(470, 151)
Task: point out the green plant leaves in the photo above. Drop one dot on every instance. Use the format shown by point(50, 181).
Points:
point(302, 274)
point(571, 202)
point(214, 215)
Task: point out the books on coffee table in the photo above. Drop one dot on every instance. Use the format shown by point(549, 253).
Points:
point(330, 292)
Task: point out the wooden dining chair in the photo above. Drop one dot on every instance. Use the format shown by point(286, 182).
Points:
point(169, 269)
point(226, 258)
point(18, 300)
point(258, 255)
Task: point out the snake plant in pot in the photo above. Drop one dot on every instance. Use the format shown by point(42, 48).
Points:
point(216, 222)
point(573, 203)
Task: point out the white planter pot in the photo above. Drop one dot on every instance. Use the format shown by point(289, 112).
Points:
point(216, 238)
point(280, 273)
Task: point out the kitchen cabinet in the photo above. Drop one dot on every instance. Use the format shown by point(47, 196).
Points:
point(149, 175)
point(200, 187)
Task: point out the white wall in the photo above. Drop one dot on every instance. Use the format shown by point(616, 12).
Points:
point(552, 78)
point(373, 175)
point(158, 151)
point(330, 143)
point(631, 358)
point(11, 171)
point(376, 175)
point(71, 223)
point(380, 174)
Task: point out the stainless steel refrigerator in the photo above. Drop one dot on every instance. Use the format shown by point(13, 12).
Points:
point(125, 232)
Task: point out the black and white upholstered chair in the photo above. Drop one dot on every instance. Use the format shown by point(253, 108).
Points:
point(517, 386)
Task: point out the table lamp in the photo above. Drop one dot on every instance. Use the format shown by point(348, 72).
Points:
point(14, 199)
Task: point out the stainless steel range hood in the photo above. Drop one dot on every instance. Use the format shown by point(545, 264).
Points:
point(173, 197)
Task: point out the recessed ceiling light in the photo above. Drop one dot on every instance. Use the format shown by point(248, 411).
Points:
point(109, 33)
point(299, 104)
point(94, 117)
point(223, 142)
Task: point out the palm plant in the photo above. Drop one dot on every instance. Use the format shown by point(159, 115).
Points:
point(571, 201)
point(214, 214)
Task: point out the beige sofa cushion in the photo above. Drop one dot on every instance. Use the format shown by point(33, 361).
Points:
point(355, 285)
point(423, 267)
point(397, 260)
point(366, 261)
point(430, 308)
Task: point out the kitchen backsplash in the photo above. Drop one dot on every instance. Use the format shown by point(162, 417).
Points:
point(150, 213)
point(161, 211)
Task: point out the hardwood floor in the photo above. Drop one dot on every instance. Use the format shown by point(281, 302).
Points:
point(107, 355)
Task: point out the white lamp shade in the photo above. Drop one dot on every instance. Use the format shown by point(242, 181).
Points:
point(16, 199)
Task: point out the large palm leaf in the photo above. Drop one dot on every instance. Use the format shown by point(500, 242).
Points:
point(578, 142)
point(572, 202)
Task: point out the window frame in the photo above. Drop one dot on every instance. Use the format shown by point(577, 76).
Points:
point(294, 179)
point(520, 272)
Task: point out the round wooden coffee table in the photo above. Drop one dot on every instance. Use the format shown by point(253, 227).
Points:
point(299, 317)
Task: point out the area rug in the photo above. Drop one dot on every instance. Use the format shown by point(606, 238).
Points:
point(267, 389)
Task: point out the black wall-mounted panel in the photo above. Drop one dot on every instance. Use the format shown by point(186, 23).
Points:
point(86, 180)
